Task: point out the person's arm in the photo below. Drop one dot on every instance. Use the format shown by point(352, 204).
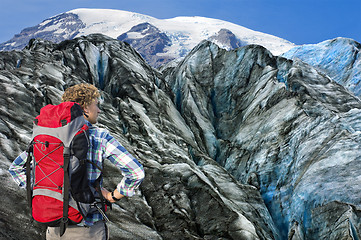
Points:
point(17, 169)
point(132, 170)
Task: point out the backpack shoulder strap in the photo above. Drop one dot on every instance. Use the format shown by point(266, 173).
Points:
point(29, 191)
point(66, 189)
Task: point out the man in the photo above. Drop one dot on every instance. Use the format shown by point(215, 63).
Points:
point(102, 145)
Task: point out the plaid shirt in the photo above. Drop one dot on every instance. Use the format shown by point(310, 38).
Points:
point(102, 145)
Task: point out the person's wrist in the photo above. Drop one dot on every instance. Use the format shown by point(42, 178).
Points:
point(114, 197)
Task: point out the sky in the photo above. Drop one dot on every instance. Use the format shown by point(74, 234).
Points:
point(298, 21)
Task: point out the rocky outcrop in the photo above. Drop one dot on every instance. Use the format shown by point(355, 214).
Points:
point(150, 42)
point(226, 39)
point(56, 29)
point(235, 144)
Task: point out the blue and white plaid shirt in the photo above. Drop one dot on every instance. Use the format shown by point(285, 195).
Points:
point(102, 146)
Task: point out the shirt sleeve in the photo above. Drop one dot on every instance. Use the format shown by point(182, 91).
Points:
point(18, 170)
point(132, 170)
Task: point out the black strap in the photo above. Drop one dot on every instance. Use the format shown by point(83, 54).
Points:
point(99, 168)
point(114, 198)
point(103, 201)
point(66, 189)
point(98, 188)
point(29, 191)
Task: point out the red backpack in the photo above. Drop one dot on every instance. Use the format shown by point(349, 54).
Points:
point(58, 187)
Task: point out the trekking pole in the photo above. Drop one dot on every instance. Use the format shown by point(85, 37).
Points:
point(102, 213)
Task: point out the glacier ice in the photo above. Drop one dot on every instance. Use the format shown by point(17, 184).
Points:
point(280, 119)
point(236, 144)
point(339, 58)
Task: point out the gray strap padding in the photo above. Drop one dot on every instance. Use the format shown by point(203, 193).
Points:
point(53, 194)
point(64, 134)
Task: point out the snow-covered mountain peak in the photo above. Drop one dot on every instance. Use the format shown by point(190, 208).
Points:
point(108, 21)
point(179, 34)
point(113, 22)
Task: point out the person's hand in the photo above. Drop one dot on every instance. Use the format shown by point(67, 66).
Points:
point(108, 195)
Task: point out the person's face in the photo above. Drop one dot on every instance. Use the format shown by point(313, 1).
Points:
point(92, 111)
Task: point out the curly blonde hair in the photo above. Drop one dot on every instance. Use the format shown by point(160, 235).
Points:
point(83, 94)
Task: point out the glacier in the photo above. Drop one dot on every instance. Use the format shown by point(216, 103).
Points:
point(236, 144)
point(338, 58)
point(256, 132)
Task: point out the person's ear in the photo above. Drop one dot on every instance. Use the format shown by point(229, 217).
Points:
point(85, 112)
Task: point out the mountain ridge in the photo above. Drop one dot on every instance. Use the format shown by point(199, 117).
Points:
point(183, 33)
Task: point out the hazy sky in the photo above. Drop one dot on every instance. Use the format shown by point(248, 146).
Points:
point(299, 21)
